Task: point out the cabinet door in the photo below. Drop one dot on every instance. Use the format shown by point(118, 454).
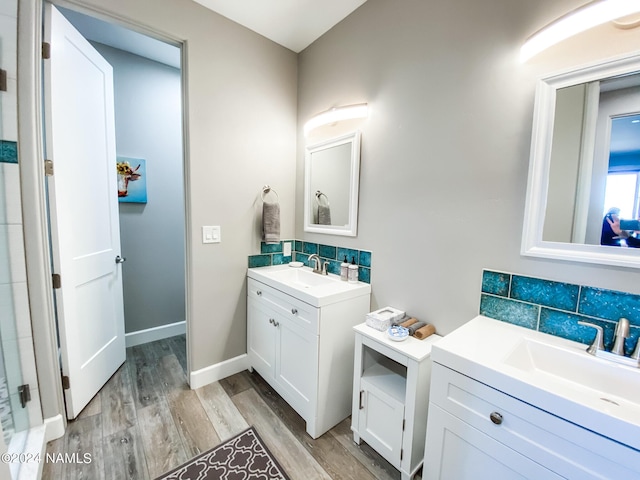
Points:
point(380, 422)
point(261, 338)
point(455, 449)
point(297, 365)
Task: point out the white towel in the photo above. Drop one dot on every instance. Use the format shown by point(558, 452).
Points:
point(324, 214)
point(271, 222)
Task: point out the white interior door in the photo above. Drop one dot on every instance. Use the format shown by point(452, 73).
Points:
point(85, 233)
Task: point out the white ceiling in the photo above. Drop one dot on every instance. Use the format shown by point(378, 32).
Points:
point(294, 24)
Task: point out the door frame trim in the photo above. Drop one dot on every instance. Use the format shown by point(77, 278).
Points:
point(34, 209)
point(32, 184)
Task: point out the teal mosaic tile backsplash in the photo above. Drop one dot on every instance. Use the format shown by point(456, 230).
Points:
point(557, 307)
point(8, 151)
point(273, 255)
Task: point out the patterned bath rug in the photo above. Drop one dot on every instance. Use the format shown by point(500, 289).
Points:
point(243, 457)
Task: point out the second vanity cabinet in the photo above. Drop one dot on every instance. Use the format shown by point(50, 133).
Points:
point(486, 430)
point(304, 352)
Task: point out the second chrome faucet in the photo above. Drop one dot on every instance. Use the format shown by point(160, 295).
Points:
point(617, 351)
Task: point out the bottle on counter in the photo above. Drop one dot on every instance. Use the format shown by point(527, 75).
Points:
point(353, 271)
point(344, 269)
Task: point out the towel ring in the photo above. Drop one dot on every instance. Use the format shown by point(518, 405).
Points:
point(320, 194)
point(266, 190)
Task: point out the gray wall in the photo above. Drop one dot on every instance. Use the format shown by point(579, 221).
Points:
point(148, 111)
point(241, 119)
point(445, 152)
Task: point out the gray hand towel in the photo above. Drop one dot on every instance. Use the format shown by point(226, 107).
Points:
point(324, 215)
point(412, 329)
point(271, 222)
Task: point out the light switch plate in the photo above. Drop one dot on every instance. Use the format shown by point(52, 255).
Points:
point(211, 234)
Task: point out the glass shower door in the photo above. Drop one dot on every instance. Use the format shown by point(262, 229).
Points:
point(14, 306)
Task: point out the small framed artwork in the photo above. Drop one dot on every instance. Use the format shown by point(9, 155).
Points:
point(132, 180)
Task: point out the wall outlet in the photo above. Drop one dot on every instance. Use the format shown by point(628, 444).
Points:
point(286, 249)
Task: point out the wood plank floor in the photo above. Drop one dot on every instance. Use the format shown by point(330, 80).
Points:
point(146, 421)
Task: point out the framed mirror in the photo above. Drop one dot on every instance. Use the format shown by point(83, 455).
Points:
point(331, 179)
point(585, 161)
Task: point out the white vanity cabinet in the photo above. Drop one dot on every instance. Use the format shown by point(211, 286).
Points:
point(391, 396)
point(497, 428)
point(304, 352)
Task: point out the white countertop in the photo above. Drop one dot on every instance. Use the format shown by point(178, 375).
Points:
point(411, 347)
point(330, 289)
point(479, 348)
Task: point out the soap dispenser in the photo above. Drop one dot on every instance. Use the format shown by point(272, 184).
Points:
point(353, 271)
point(344, 269)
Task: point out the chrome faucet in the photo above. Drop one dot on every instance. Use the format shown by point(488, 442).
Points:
point(622, 333)
point(319, 266)
point(617, 351)
point(317, 262)
point(598, 343)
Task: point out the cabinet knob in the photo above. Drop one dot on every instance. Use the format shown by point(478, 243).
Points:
point(294, 311)
point(496, 418)
point(275, 323)
point(271, 320)
point(259, 293)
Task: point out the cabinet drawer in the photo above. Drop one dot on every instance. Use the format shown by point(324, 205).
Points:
point(561, 446)
point(302, 314)
point(458, 451)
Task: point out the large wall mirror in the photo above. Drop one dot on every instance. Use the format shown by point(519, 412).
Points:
point(332, 172)
point(585, 162)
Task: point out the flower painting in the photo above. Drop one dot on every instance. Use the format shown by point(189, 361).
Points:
point(132, 180)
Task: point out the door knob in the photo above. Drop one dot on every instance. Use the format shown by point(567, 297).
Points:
point(120, 259)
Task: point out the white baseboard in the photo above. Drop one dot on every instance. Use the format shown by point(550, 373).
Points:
point(213, 373)
point(54, 428)
point(156, 333)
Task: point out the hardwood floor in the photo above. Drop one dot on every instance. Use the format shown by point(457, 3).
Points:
point(146, 421)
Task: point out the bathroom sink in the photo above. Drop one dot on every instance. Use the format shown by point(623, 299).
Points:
point(312, 288)
point(302, 277)
point(573, 367)
point(553, 373)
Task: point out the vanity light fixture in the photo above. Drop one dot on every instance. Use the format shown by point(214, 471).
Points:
point(336, 114)
point(588, 16)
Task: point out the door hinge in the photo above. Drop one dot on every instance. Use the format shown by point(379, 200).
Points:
point(361, 398)
point(3, 80)
point(401, 453)
point(65, 383)
point(57, 280)
point(48, 168)
point(46, 50)
point(25, 394)
point(403, 424)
